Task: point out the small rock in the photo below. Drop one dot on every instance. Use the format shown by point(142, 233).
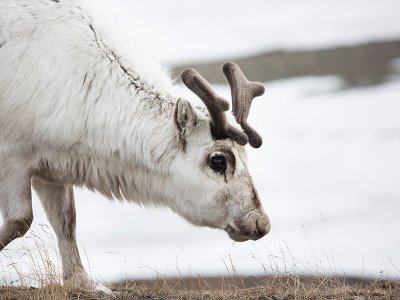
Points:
point(264, 298)
point(206, 295)
point(280, 297)
point(377, 294)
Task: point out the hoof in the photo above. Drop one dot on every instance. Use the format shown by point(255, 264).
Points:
point(102, 290)
point(80, 281)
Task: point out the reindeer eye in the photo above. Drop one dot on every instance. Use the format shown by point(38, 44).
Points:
point(218, 163)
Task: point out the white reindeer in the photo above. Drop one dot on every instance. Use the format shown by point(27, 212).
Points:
point(72, 112)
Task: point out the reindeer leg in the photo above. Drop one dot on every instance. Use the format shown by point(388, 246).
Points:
point(59, 204)
point(15, 204)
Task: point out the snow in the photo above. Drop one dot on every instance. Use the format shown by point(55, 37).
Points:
point(328, 175)
point(184, 31)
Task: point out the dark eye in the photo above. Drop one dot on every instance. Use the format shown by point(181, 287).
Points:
point(218, 163)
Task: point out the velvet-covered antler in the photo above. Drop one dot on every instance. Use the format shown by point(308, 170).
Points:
point(243, 92)
point(216, 106)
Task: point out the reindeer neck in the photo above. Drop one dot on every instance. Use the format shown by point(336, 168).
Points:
point(129, 139)
point(138, 127)
point(143, 118)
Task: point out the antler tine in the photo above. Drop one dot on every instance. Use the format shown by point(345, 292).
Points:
point(243, 92)
point(216, 106)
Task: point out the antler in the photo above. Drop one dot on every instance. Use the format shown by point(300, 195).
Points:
point(216, 106)
point(243, 92)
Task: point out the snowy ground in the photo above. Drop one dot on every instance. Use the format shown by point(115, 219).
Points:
point(328, 173)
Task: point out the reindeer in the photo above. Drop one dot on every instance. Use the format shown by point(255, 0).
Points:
point(75, 113)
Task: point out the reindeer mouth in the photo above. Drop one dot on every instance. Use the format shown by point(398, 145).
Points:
point(237, 235)
point(241, 236)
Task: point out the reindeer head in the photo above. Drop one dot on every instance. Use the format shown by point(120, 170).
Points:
point(215, 188)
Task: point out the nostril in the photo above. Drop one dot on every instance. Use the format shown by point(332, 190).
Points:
point(261, 230)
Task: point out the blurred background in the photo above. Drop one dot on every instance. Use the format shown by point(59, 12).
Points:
point(328, 172)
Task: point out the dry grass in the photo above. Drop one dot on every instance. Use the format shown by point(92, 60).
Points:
point(276, 287)
point(265, 288)
point(286, 286)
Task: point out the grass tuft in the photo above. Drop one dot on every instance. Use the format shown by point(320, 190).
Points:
point(283, 285)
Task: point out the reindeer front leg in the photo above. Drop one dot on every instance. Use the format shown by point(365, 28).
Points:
point(59, 204)
point(15, 204)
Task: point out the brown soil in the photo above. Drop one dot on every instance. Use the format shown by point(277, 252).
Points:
point(366, 64)
point(264, 288)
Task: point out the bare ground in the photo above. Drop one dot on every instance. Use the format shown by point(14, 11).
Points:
point(265, 288)
point(360, 65)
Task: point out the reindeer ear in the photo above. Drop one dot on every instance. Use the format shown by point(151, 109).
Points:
point(185, 116)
